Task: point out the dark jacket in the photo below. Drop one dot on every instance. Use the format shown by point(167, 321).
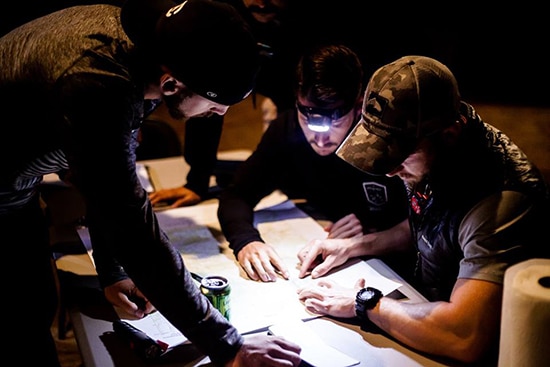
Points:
point(284, 160)
point(486, 209)
point(75, 77)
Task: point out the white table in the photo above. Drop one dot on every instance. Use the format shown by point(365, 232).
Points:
point(100, 347)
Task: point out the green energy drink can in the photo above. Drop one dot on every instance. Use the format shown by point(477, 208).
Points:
point(216, 289)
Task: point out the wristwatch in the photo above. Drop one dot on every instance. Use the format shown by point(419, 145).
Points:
point(366, 299)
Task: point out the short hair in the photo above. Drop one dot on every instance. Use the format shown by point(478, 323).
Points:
point(328, 74)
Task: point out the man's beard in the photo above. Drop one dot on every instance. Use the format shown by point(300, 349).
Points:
point(174, 102)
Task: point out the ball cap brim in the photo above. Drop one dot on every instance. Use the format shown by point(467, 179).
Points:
point(405, 101)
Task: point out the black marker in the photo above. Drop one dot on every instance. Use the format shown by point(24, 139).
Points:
point(196, 276)
point(141, 344)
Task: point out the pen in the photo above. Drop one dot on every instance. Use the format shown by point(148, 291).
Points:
point(196, 276)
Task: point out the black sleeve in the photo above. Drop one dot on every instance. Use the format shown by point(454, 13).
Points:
point(101, 114)
point(255, 178)
point(202, 138)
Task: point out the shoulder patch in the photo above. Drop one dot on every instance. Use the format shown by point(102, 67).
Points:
point(376, 194)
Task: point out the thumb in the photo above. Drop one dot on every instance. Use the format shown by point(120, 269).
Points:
point(320, 270)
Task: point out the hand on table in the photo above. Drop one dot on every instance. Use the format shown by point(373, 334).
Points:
point(347, 227)
point(267, 351)
point(328, 298)
point(261, 262)
point(177, 196)
point(318, 257)
point(128, 299)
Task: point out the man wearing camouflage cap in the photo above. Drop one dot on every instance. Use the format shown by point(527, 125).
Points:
point(477, 206)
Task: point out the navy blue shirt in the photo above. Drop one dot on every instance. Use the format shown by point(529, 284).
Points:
point(284, 160)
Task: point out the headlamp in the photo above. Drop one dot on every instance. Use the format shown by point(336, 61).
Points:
point(320, 119)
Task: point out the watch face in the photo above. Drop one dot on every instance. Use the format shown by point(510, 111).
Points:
point(366, 299)
point(366, 294)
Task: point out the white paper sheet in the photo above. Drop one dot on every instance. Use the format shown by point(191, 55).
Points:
point(314, 350)
point(256, 305)
point(158, 328)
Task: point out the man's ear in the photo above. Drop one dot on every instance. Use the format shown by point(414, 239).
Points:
point(169, 85)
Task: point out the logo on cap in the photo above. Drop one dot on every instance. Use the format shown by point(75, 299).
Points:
point(175, 10)
point(211, 94)
point(376, 104)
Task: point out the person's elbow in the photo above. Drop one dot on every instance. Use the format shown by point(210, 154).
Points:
point(471, 349)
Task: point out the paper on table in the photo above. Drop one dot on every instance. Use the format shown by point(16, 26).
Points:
point(352, 343)
point(190, 231)
point(204, 255)
point(348, 273)
point(288, 229)
point(285, 227)
point(187, 232)
point(158, 328)
point(314, 350)
point(144, 178)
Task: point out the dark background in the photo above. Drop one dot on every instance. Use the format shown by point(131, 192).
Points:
point(498, 55)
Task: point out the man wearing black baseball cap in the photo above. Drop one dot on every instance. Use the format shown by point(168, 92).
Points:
point(477, 206)
point(76, 85)
point(269, 21)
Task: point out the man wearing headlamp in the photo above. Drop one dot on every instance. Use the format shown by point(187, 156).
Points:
point(297, 156)
point(320, 120)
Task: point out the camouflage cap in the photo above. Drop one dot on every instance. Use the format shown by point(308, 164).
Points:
point(405, 101)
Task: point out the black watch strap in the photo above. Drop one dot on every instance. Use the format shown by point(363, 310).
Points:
point(366, 299)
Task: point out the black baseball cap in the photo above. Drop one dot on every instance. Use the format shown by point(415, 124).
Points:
point(205, 44)
point(405, 101)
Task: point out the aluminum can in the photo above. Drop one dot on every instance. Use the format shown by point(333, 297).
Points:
point(216, 288)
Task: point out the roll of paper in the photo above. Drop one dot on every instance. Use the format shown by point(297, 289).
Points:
point(525, 323)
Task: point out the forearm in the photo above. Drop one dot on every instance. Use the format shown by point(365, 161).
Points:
point(133, 236)
point(417, 325)
point(108, 269)
point(236, 217)
point(151, 262)
point(465, 328)
point(420, 326)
